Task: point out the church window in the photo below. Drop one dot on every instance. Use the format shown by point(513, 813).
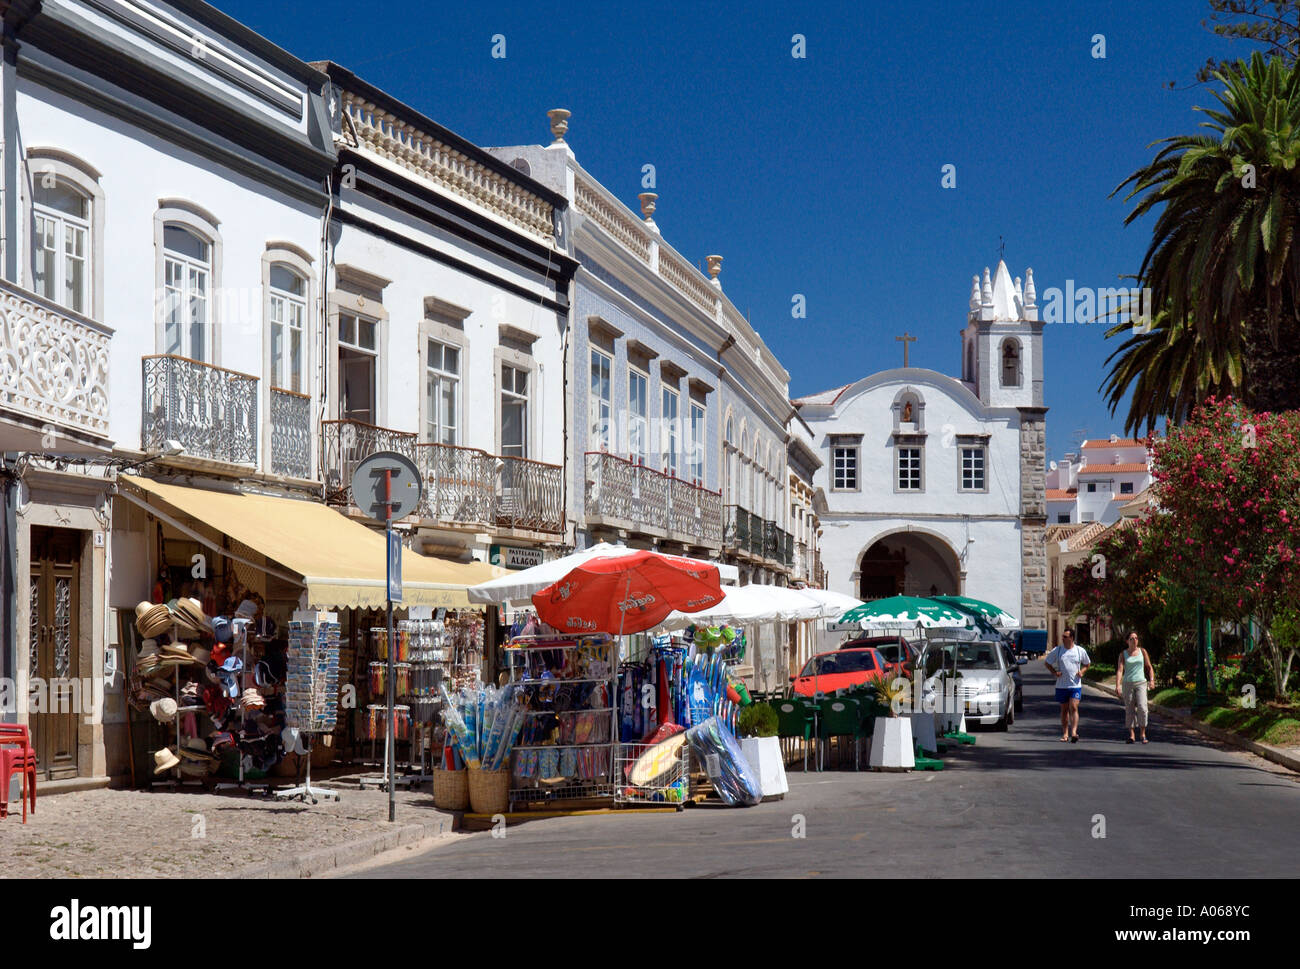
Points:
point(972, 469)
point(846, 469)
point(909, 468)
point(1011, 363)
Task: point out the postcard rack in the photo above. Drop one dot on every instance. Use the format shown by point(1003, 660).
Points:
point(568, 748)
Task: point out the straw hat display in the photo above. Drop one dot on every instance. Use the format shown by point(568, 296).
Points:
point(164, 760)
point(164, 708)
point(189, 617)
point(152, 620)
point(252, 700)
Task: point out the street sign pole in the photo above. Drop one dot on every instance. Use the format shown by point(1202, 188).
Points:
point(392, 646)
point(388, 485)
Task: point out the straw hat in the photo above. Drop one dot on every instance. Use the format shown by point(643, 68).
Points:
point(163, 709)
point(175, 650)
point(252, 699)
point(164, 760)
point(191, 611)
point(201, 654)
point(152, 619)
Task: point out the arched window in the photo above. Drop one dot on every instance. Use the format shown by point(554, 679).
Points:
point(286, 318)
point(970, 362)
point(187, 292)
point(65, 221)
point(1010, 363)
point(188, 245)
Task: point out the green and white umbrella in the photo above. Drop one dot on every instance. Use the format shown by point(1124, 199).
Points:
point(905, 611)
point(978, 607)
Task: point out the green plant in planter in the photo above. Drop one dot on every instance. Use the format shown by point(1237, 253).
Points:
point(757, 720)
point(890, 689)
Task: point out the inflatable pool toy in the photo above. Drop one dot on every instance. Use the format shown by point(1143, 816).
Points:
point(657, 762)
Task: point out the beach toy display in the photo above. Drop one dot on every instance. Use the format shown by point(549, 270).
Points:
point(714, 746)
point(483, 723)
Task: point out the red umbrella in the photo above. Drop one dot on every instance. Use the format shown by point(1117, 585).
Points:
point(627, 593)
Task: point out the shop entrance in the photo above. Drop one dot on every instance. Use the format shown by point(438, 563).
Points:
point(54, 648)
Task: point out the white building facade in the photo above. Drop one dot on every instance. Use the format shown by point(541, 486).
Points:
point(936, 484)
point(1095, 484)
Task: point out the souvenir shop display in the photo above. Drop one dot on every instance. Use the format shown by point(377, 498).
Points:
point(716, 747)
point(568, 743)
point(311, 681)
point(194, 673)
point(728, 641)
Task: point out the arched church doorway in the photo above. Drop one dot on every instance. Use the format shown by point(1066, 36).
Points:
point(910, 564)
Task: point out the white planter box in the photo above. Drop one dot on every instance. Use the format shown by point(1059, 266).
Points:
point(923, 731)
point(891, 744)
point(764, 756)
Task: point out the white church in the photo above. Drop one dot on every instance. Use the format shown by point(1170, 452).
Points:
point(935, 484)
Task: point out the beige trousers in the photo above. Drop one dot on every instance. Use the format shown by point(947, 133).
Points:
point(1135, 705)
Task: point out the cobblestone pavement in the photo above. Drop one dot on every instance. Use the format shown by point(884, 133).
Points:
point(144, 834)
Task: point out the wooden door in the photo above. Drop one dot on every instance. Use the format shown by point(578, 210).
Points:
point(55, 646)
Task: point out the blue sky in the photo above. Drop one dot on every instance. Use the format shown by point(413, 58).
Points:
point(821, 175)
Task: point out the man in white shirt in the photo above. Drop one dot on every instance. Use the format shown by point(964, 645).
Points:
point(1067, 663)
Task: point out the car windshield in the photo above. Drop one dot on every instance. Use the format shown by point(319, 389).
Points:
point(977, 656)
point(852, 661)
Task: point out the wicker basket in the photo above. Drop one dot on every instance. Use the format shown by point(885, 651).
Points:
point(450, 789)
point(489, 790)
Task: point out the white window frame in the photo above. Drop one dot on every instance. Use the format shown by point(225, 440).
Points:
point(289, 305)
point(510, 394)
point(983, 470)
point(851, 466)
point(65, 226)
point(202, 224)
point(434, 378)
point(356, 346)
point(638, 416)
point(600, 424)
point(670, 430)
point(69, 170)
point(900, 453)
point(699, 432)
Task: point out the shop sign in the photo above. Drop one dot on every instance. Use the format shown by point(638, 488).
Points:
point(509, 557)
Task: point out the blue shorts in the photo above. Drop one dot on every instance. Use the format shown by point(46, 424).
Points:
point(1065, 694)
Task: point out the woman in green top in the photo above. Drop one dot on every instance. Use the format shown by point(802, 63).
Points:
point(1134, 675)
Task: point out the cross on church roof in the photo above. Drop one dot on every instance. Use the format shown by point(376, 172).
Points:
point(905, 339)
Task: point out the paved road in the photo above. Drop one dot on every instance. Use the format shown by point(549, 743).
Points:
point(1015, 804)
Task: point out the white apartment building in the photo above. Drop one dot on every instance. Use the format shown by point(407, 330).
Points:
point(1095, 483)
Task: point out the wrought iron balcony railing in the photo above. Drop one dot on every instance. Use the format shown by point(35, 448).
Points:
point(53, 363)
point(531, 495)
point(210, 411)
point(345, 444)
point(459, 483)
point(641, 497)
point(462, 485)
point(290, 433)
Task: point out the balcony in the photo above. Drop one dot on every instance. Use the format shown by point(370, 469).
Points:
point(626, 495)
point(53, 371)
point(749, 535)
point(210, 411)
point(290, 433)
point(462, 486)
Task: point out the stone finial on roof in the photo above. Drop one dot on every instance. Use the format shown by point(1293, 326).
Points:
point(559, 123)
point(715, 267)
point(986, 293)
point(974, 293)
point(1031, 294)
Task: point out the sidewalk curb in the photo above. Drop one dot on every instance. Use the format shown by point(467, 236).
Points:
point(1269, 753)
point(317, 862)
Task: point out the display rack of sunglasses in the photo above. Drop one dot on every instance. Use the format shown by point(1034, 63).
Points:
point(596, 759)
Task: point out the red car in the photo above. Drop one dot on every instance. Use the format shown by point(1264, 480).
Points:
point(828, 672)
point(899, 654)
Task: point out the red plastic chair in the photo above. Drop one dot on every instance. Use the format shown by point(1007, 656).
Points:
point(17, 755)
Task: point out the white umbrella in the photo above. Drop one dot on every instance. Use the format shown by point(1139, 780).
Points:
point(751, 604)
point(517, 588)
point(835, 604)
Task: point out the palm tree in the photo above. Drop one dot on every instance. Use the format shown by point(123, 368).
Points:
point(1170, 369)
point(1224, 259)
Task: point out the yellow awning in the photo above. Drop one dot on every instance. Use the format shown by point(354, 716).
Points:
point(342, 562)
